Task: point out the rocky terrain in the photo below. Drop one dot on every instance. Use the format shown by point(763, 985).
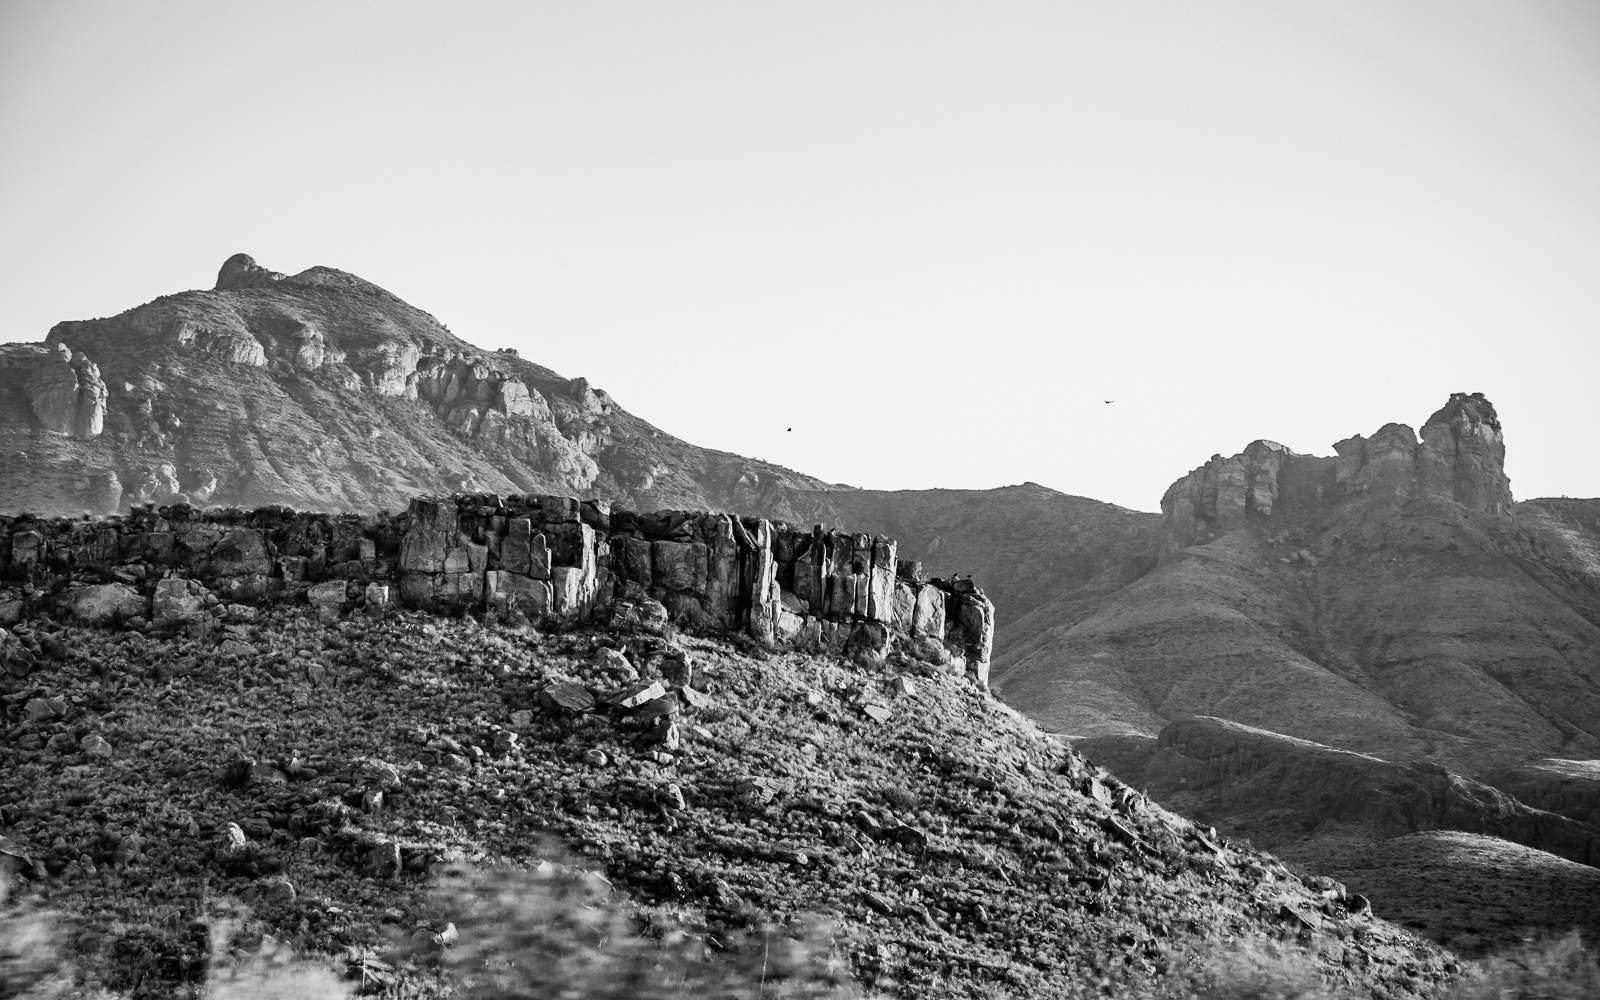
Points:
point(190, 729)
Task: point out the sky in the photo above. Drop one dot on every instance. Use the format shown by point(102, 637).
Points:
point(895, 245)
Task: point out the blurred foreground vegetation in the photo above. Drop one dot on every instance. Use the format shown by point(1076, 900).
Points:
point(557, 933)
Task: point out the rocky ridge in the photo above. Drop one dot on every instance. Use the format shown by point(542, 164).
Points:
point(538, 557)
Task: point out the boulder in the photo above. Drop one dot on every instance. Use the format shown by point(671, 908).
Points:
point(177, 601)
point(329, 597)
point(105, 603)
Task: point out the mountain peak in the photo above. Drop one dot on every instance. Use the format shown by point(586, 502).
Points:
point(242, 271)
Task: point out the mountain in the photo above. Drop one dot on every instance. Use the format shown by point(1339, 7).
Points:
point(1391, 601)
point(322, 391)
point(1385, 643)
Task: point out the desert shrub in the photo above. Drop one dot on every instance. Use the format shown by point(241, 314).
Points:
point(1550, 969)
point(1253, 969)
point(32, 966)
point(532, 935)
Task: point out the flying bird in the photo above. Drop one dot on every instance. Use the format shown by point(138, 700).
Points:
point(1110, 401)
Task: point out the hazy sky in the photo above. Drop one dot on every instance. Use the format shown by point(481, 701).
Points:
point(932, 238)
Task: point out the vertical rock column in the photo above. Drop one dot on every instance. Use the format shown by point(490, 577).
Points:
point(759, 595)
point(970, 627)
point(523, 579)
point(439, 567)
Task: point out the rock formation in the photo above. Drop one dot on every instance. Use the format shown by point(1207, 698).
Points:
point(541, 556)
point(1460, 457)
point(68, 395)
point(1217, 497)
point(242, 271)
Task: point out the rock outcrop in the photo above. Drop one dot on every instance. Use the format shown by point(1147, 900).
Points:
point(539, 556)
point(242, 271)
point(1220, 495)
point(68, 395)
point(1460, 457)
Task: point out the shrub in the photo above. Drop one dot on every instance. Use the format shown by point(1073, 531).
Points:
point(551, 934)
point(1550, 969)
point(31, 962)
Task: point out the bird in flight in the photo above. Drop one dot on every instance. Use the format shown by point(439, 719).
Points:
point(1110, 401)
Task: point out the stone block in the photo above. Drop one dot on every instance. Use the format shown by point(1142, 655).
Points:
point(26, 549)
point(534, 597)
point(568, 591)
point(177, 601)
point(928, 616)
point(680, 566)
point(516, 554)
point(335, 593)
point(104, 603)
point(571, 544)
point(431, 535)
point(559, 510)
point(903, 615)
point(630, 561)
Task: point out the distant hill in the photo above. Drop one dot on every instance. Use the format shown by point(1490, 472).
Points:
point(1393, 602)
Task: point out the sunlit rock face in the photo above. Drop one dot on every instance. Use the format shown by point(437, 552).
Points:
point(68, 395)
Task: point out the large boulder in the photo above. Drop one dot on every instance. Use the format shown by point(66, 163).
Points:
point(105, 603)
point(177, 601)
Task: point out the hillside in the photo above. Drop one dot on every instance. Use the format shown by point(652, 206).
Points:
point(1391, 602)
point(316, 756)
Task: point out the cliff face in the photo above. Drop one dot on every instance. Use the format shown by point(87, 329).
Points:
point(1460, 457)
point(546, 557)
point(67, 393)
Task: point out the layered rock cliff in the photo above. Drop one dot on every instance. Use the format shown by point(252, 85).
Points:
point(545, 557)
